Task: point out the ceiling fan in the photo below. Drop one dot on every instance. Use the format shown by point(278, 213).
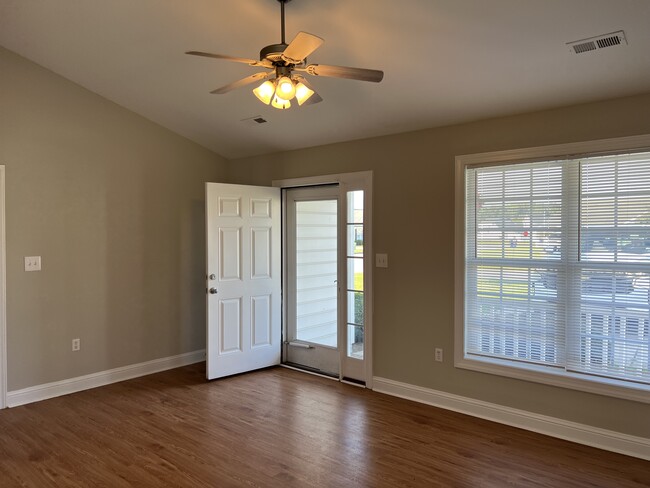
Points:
point(285, 63)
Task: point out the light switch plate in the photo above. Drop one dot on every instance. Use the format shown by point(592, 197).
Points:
point(381, 260)
point(32, 263)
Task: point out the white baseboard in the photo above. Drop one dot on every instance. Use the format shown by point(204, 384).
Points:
point(86, 382)
point(582, 434)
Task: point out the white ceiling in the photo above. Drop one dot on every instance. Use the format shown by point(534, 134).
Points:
point(445, 61)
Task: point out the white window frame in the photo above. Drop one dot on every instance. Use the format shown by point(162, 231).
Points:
point(524, 371)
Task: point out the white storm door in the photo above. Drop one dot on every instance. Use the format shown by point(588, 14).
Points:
point(312, 290)
point(243, 278)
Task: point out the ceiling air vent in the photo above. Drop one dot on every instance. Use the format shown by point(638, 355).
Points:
point(598, 42)
point(258, 119)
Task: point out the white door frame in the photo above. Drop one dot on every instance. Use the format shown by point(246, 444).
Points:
point(3, 294)
point(361, 180)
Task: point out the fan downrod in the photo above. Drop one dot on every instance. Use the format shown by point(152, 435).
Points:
point(274, 52)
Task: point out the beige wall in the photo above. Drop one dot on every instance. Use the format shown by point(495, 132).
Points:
point(114, 204)
point(414, 224)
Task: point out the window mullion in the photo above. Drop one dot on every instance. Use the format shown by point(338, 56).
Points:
point(571, 259)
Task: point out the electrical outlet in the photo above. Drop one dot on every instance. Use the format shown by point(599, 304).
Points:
point(76, 344)
point(32, 263)
point(438, 356)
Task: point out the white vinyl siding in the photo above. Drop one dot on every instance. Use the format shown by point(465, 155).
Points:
point(316, 268)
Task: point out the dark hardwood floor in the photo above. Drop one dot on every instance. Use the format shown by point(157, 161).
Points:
point(281, 428)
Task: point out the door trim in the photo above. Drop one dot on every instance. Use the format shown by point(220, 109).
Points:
point(361, 180)
point(3, 294)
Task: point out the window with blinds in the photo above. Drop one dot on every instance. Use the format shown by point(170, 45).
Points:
point(557, 265)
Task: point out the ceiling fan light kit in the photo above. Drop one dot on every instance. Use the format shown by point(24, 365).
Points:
point(285, 62)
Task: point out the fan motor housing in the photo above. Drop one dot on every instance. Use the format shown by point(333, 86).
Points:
point(273, 52)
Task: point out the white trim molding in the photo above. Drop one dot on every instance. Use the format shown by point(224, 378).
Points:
point(3, 294)
point(563, 429)
point(561, 151)
point(102, 378)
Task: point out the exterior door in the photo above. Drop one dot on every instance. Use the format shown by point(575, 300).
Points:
point(312, 280)
point(327, 281)
point(243, 278)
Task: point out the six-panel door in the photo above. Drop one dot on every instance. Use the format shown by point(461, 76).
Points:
point(243, 278)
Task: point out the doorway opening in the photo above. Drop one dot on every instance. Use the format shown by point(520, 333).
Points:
point(314, 309)
point(327, 299)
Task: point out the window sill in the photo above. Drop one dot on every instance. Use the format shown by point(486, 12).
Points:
point(574, 381)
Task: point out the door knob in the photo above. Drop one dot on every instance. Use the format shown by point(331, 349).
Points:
point(213, 291)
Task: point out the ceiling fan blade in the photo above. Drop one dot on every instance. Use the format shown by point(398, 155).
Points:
point(250, 62)
point(360, 74)
point(243, 82)
point(302, 46)
point(315, 98)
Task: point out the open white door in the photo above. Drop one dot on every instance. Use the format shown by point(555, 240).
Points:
point(243, 278)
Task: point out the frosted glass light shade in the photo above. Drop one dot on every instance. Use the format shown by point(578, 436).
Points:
point(303, 93)
point(265, 92)
point(286, 90)
point(280, 103)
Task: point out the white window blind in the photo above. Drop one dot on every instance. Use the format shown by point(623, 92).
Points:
point(557, 265)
